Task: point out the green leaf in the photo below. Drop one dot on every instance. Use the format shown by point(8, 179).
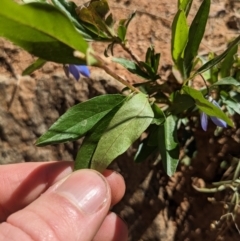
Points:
point(29, 1)
point(79, 119)
point(206, 106)
point(127, 125)
point(40, 35)
point(153, 136)
point(94, 13)
point(230, 102)
point(181, 102)
point(110, 48)
point(196, 33)
point(34, 66)
point(122, 30)
point(130, 66)
point(219, 58)
point(149, 69)
point(129, 19)
point(185, 5)
point(227, 81)
point(86, 151)
point(214, 74)
point(123, 25)
point(144, 151)
point(156, 62)
point(69, 8)
point(168, 145)
point(227, 63)
point(109, 20)
point(152, 60)
point(159, 116)
point(179, 37)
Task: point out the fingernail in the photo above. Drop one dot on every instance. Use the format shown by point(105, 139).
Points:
point(87, 189)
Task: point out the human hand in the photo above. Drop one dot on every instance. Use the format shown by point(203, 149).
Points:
point(46, 201)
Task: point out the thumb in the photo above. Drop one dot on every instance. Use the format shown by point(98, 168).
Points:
point(72, 209)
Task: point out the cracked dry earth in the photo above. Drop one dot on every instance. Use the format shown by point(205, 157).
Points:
point(155, 206)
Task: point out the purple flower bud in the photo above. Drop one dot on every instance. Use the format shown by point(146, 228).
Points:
point(77, 70)
point(204, 121)
point(215, 120)
point(218, 122)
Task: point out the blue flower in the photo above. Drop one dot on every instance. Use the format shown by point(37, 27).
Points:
point(215, 120)
point(77, 70)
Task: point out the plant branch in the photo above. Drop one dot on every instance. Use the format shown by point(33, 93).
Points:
point(101, 65)
point(129, 51)
point(133, 56)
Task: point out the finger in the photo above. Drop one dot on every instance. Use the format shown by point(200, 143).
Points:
point(73, 209)
point(22, 183)
point(113, 228)
point(117, 185)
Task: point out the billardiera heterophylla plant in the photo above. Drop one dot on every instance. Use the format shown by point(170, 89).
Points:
point(111, 123)
point(215, 120)
point(77, 71)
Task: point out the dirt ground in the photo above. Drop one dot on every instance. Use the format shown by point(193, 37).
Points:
point(155, 207)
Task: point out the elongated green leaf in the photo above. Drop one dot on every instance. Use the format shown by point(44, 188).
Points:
point(230, 102)
point(149, 69)
point(86, 151)
point(144, 151)
point(130, 18)
point(179, 37)
point(130, 66)
point(29, 1)
point(68, 8)
point(185, 5)
point(79, 119)
point(159, 116)
point(153, 135)
point(227, 81)
point(127, 125)
point(34, 66)
point(122, 30)
point(94, 13)
point(38, 32)
point(168, 145)
point(196, 33)
point(214, 74)
point(227, 63)
point(181, 103)
point(219, 58)
point(206, 106)
point(151, 63)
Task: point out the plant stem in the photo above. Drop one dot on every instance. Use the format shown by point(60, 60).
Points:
point(129, 51)
point(133, 56)
point(101, 65)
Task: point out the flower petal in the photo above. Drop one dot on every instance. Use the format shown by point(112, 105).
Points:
point(204, 121)
point(216, 104)
point(218, 122)
point(74, 71)
point(83, 69)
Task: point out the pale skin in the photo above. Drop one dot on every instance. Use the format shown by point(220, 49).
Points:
point(47, 201)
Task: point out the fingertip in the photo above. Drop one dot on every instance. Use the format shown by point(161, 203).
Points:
point(112, 229)
point(117, 185)
point(22, 183)
point(67, 209)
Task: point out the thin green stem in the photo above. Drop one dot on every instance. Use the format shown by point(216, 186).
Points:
point(237, 170)
point(189, 78)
